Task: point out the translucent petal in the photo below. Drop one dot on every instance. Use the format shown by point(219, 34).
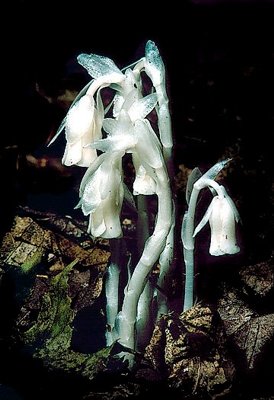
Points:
point(88, 156)
point(124, 123)
point(90, 171)
point(100, 105)
point(83, 91)
point(118, 102)
point(72, 154)
point(111, 212)
point(108, 178)
point(110, 125)
point(204, 220)
point(77, 98)
point(222, 223)
point(215, 222)
point(228, 242)
point(130, 82)
point(79, 119)
point(91, 197)
point(141, 108)
point(143, 183)
point(97, 65)
point(148, 145)
point(232, 205)
point(97, 225)
point(110, 174)
point(211, 174)
point(118, 126)
point(104, 81)
point(124, 143)
point(129, 99)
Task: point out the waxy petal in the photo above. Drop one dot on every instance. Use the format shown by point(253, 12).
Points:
point(148, 145)
point(222, 224)
point(79, 119)
point(141, 108)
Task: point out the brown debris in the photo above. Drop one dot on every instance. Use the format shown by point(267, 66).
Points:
point(251, 334)
point(188, 349)
point(27, 237)
point(259, 278)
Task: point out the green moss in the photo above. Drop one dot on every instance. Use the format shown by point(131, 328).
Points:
point(32, 261)
point(23, 277)
point(50, 337)
point(52, 331)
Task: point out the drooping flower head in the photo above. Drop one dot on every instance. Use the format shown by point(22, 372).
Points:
point(222, 216)
point(102, 196)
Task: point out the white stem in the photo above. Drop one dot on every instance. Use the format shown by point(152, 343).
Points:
point(142, 223)
point(112, 290)
point(165, 264)
point(188, 243)
point(164, 123)
point(145, 318)
point(188, 238)
point(152, 250)
point(189, 279)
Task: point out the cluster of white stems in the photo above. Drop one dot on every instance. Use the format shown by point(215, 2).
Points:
point(98, 135)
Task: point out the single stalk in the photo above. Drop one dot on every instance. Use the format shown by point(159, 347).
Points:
point(145, 317)
point(144, 320)
point(188, 243)
point(112, 289)
point(165, 262)
point(151, 253)
point(187, 233)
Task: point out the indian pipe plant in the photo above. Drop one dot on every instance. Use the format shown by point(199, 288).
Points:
point(98, 134)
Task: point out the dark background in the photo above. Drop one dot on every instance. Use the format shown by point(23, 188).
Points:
point(218, 56)
point(219, 59)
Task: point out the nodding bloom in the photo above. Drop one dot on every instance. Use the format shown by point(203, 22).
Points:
point(102, 194)
point(83, 122)
point(81, 129)
point(127, 130)
point(222, 216)
point(223, 232)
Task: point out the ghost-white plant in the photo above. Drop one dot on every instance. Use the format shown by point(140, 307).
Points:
point(222, 215)
point(98, 136)
point(114, 130)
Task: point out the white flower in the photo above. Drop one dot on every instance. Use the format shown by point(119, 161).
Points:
point(102, 196)
point(222, 216)
point(143, 183)
point(129, 92)
point(222, 224)
point(81, 129)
